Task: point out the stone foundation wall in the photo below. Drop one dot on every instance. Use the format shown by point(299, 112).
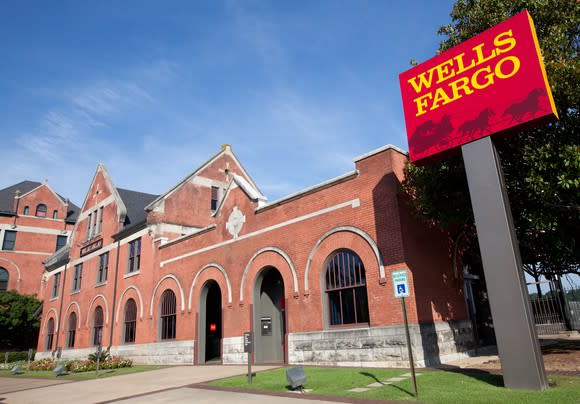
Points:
point(233, 351)
point(382, 346)
point(163, 353)
point(433, 344)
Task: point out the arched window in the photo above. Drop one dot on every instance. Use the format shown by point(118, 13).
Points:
point(4, 276)
point(26, 210)
point(41, 210)
point(168, 316)
point(72, 327)
point(130, 320)
point(346, 289)
point(55, 214)
point(49, 334)
point(98, 326)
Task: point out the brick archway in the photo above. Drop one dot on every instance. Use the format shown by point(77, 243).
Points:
point(274, 257)
point(210, 271)
point(161, 281)
point(343, 237)
point(136, 293)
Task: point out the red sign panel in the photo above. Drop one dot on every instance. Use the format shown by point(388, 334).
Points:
point(490, 83)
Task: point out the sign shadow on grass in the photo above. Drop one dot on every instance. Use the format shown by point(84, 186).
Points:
point(372, 376)
point(478, 374)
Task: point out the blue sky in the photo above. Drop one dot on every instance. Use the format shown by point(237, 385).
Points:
point(153, 89)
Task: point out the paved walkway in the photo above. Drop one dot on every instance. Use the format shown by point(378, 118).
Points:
point(169, 385)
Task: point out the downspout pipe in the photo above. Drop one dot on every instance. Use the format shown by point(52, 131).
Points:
point(60, 306)
point(114, 294)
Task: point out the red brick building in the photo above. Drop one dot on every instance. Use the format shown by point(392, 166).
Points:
point(178, 278)
point(35, 222)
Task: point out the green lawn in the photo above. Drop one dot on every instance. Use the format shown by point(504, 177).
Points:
point(85, 375)
point(433, 386)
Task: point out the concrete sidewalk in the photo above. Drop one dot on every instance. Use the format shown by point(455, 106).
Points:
point(169, 385)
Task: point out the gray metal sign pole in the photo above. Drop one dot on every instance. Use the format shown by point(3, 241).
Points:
point(409, 347)
point(517, 341)
point(249, 348)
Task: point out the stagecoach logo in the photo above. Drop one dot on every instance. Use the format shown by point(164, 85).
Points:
point(235, 222)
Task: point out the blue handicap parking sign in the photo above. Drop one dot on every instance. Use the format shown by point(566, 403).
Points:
point(401, 288)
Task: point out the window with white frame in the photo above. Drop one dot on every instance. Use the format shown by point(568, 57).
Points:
point(9, 240)
point(55, 285)
point(78, 276)
point(103, 268)
point(134, 260)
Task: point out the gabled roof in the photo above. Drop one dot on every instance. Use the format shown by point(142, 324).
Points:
point(7, 198)
point(226, 149)
point(135, 203)
point(7, 194)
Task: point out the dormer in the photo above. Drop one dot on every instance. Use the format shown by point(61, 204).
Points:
point(34, 200)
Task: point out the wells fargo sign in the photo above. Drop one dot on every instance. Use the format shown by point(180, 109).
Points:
point(488, 84)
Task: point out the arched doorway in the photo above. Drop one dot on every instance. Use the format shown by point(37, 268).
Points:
point(269, 317)
point(210, 324)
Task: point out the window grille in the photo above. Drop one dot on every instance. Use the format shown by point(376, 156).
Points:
point(4, 278)
point(168, 314)
point(49, 334)
point(72, 327)
point(98, 326)
point(346, 289)
point(130, 320)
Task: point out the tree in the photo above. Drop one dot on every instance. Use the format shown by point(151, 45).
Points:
point(541, 165)
point(18, 325)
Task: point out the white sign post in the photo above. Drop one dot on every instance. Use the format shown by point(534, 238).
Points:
point(401, 289)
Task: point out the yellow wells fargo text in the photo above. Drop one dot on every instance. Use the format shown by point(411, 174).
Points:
point(484, 65)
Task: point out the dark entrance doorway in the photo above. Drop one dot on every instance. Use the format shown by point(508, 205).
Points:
point(210, 324)
point(269, 317)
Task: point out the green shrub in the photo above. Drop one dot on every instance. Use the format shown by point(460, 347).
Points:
point(18, 356)
point(104, 356)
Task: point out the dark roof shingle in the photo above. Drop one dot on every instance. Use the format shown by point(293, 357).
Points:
point(135, 203)
point(7, 199)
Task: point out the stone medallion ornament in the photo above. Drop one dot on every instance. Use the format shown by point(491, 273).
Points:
point(235, 222)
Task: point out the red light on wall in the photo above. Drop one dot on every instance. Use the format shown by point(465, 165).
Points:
point(212, 327)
